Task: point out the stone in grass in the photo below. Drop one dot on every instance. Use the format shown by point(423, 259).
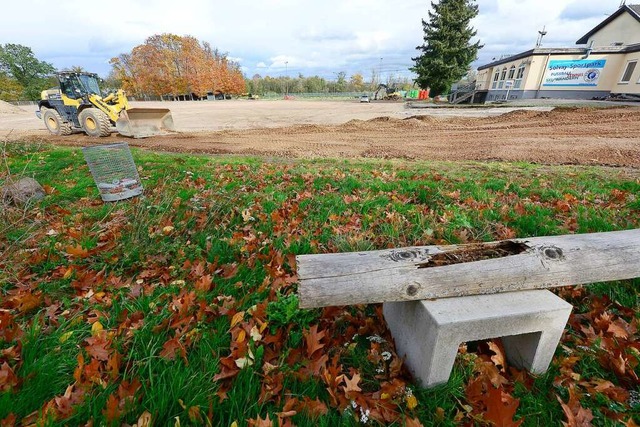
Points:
point(22, 192)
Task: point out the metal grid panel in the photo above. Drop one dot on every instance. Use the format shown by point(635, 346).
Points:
point(113, 170)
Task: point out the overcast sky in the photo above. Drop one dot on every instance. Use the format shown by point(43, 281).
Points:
point(312, 37)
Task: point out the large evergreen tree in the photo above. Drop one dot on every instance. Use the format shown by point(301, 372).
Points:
point(447, 51)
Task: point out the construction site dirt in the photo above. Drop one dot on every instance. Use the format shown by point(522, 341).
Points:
point(325, 129)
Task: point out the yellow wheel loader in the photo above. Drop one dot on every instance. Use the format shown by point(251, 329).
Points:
point(78, 104)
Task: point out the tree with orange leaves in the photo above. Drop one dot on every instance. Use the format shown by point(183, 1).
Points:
point(172, 65)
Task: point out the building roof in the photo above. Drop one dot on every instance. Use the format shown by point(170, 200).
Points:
point(562, 51)
point(632, 9)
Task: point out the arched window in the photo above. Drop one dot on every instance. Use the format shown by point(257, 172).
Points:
point(512, 72)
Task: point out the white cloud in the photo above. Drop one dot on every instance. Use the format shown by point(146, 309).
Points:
point(313, 37)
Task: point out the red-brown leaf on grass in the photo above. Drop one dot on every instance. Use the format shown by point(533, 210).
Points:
point(312, 339)
point(351, 385)
point(112, 410)
point(501, 408)
point(9, 329)
point(229, 369)
point(576, 415)
point(170, 348)
point(619, 329)
point(113, 365)
point(313, 408)
point(259, 422)
point(412, 422)
point(97, 348)
point(77, 251)
point(607, 388)
point(26, 301)
point(9, 420)
point(128, 390)
point(204, 283)
point(8, 378)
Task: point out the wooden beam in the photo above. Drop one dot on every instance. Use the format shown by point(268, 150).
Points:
point(417, 273)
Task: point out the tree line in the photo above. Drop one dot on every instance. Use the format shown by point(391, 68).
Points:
point(315, 84)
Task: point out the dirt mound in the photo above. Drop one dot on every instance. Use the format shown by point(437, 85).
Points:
point(413, 123)
point(429, 119)
point(353, 125)
point(6, 108)
point(518, 115)
point(381, 119)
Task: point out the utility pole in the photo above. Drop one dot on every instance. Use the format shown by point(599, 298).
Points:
point(380, 72)
point(286, 78)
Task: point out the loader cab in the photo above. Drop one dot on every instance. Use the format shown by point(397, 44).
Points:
point(78, 85)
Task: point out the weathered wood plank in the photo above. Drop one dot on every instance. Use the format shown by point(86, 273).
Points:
point(400, 274)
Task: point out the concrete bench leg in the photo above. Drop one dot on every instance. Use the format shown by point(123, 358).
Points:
point(427, 333)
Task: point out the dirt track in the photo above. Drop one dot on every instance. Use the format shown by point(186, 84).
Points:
point(561, 136)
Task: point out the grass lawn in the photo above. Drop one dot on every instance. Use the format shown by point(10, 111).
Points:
point(180, 307)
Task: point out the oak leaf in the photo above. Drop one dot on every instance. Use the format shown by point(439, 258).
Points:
point(412, 422)
point(576, 414)
point(352, 384)
point(170, 348)
point(77, 251)
point(112, 409)
point(501, 408)
point(8, 378)
point(204, 283)
point(312, 340)
point(259, 422)
point(97, 348)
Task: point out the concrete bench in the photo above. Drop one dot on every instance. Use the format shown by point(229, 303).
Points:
point(427, 334)
point(436, 297)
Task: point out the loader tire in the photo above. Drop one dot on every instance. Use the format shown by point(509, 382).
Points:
point(94, 122)
point(54, 122)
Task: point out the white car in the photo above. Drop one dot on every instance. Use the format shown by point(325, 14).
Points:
point(364, 98)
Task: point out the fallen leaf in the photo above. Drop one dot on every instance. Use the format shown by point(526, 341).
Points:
point(412, 422)
point(8, 378)
point(170, 348)
point(351, 385)
point(167, 230)
point(97, 348)
point(204, 283)
point(77, 251)
point(576, 414)
point(64, 337)
point(312, 340)
point(144, 420)
point(501, 408)
point(411, 402)
point(237, 318)
point(96, 329)
point(112, 409)
point(259, 422)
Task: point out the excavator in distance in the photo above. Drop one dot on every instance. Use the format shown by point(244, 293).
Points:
point(78, 104)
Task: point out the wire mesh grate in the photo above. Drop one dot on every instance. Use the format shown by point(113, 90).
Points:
point(114, 171)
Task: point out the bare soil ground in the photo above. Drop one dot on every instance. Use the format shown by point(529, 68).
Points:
point(301, 129)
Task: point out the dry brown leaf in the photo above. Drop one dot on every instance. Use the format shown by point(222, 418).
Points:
point(312, 340)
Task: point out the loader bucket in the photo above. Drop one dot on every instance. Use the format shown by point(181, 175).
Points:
point(145, 122)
